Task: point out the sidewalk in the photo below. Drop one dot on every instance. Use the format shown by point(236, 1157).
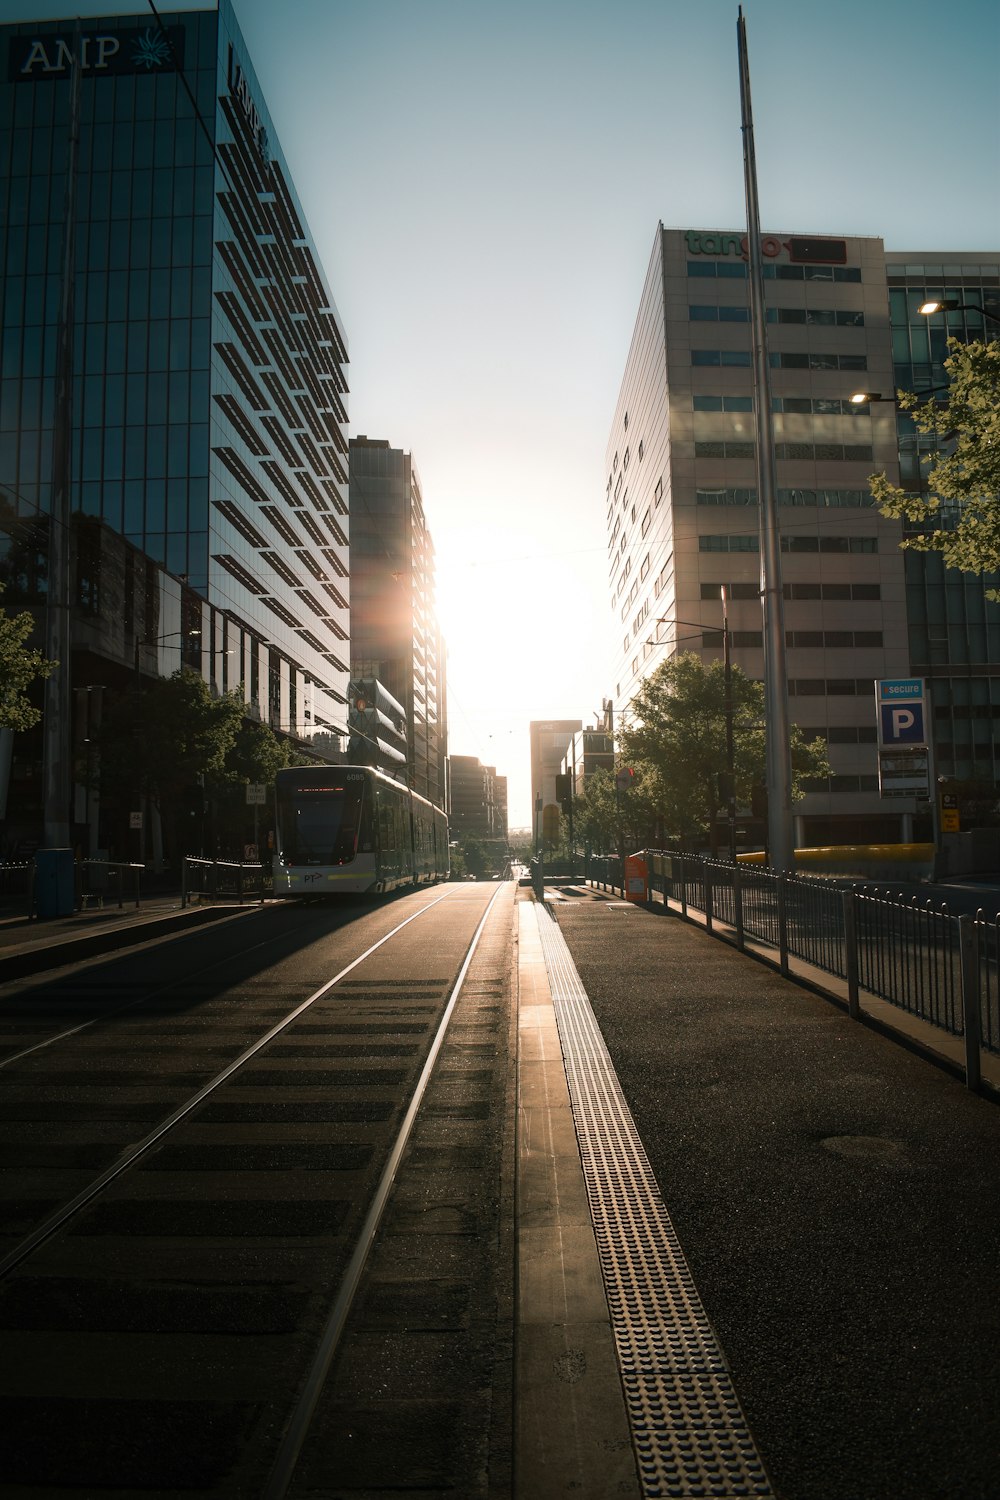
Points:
point(833, 1194)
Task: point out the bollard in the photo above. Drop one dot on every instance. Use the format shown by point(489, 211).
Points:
point(851, 954)
point(738, 908)
point(968, 940)
point(782, 925)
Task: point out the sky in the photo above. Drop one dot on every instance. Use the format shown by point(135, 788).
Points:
point(483, 183)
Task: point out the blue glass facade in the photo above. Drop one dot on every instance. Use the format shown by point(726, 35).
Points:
point(954, 629)
point(209, 427)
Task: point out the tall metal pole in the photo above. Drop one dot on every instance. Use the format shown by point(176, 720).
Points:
point(727, 656)
point(779, 765)
point(57, 701)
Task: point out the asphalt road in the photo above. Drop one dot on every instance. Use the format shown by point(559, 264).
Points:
point(836, 1197)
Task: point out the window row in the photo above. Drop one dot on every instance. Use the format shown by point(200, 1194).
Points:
point(820, 406)
point(827, 317)
point(831, 687)
point(811, 452)
point(840, 784)
point(737, 270)
point(796, 590)
point(726, 543)
point(825, 499)
point(826, 640)
point(841, 734)
point(740, 359)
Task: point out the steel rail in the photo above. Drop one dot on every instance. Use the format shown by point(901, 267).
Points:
point(62, 1215)
point(297, 1429)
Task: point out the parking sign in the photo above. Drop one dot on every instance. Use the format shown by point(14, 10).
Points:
point(900, 704)
point(901, 724)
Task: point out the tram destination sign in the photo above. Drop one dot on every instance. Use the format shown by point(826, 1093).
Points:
point(101, 54)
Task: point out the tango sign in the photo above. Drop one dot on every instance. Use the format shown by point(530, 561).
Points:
point(801, 251)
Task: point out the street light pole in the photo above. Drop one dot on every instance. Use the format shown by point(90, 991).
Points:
point(781, 850)
point(727, 656)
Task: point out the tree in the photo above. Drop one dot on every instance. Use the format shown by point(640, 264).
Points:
point(677, 733)
point(19, 667)
point(474, 855)
point(963, 484)
point(603, 812)
point(166, 741)
point(256, 754)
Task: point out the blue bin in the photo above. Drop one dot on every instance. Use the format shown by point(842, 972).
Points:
point(54, 883)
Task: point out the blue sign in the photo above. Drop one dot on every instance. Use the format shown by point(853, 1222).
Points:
point(901, 723)
point(905, 689)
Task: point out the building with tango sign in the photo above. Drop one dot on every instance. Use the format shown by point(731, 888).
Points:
point(844, 333)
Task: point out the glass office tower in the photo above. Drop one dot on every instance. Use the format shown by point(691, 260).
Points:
point(208, 472)
point(954, 630)
point(395, 636)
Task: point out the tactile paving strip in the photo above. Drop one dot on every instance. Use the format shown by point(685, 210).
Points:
point(690, 1435)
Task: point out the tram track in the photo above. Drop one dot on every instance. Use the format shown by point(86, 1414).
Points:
point(250, 1198)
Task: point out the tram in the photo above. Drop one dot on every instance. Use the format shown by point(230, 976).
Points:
point(345, 829)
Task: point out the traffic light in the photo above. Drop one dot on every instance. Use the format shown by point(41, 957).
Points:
point(564, 792)
point(550, 824)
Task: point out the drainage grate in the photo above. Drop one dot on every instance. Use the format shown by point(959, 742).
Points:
point(691, 1438)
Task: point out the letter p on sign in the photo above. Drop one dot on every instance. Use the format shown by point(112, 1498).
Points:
point(902, 723)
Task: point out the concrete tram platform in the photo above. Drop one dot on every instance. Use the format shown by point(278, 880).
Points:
point(30, 946)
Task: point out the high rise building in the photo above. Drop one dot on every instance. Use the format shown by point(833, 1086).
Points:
point(589, 750)
point(206, 429)
point(549, 740)
point(478, 799)
point(953, 629)
point(681, 501)
point(395, 636)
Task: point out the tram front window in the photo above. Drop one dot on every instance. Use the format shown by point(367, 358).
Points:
point(323, 826)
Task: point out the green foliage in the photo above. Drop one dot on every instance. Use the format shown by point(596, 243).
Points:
point(474, 856)
point(167, 738)
point(19, 667)
point(255, 754)
point(963, 485)
point(675, 739)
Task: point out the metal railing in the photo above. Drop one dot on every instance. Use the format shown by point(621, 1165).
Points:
point(222, 880)
point(932, 963)
point(15, 881)
point(607, 871)
point(102, 882)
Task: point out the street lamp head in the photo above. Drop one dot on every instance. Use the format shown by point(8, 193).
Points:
point(955, 304)
point(938, 304)
point(862, 398)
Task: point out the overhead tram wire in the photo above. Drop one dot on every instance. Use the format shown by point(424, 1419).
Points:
point(194, 103)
